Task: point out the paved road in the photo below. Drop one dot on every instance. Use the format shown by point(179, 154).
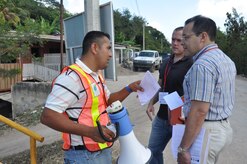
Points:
point(234, 154)
point(14, 142)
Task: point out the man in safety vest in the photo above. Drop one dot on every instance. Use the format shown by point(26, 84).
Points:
point(78, 100)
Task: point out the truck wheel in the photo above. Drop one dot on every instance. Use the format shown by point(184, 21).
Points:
point(135, 68)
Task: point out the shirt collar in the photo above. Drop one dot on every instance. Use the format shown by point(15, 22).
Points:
point(182, 59)
point(206, 48)
point(84, 67)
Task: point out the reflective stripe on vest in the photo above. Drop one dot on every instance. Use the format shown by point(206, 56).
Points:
point(94, 105)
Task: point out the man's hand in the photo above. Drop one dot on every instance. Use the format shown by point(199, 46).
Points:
point(98, 138)
point(182, 119)
point(150, 112)
point(184, 158)
point(125, 92)
point(135, 86)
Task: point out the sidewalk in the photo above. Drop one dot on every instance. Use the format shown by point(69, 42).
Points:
point(6, 96)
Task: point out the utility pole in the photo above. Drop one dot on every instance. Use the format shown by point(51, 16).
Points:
point(143, 37)
point(92, 13)
point(161, 45)
point(61, 34)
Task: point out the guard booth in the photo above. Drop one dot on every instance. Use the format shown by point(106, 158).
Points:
point(74, 31)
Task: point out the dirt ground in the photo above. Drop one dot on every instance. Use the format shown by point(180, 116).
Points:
point(49, 152)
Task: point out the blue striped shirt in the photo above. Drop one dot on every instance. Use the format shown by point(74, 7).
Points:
point(211, 79)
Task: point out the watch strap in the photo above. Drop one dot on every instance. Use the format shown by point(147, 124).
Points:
point(128, 89)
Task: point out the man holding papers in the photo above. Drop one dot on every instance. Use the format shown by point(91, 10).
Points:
point(209, 90)
point(170, 79)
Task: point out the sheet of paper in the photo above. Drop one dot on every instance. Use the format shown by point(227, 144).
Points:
point(173, 100)
point(196, 148)
point(150, 86)
point(161, 97)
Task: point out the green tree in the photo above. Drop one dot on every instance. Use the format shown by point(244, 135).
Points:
point(49, 28)
point(119, 35)
point(7, 16)
point(129, 31)
point(221, 40)
point(22, 22)
point(43, 11)
point(14, 44)
point(124, 27)
point(236, 30)
point(155, 40)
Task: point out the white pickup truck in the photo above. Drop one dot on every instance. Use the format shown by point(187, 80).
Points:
point(147, 59)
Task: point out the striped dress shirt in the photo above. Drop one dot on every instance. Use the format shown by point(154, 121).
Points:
point(211, 79)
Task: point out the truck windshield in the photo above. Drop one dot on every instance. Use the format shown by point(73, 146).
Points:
point(146, 54)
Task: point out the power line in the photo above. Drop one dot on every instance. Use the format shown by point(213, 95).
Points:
point(138, 8)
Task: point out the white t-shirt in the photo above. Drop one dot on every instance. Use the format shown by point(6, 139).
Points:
point(68, 93)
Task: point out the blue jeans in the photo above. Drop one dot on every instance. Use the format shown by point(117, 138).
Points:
point(86, 157)
point(160, 135)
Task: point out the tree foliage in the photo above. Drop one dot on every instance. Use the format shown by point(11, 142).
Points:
point(30, 18)
point(221, 40)
point(156, 40)
point(7, 16)
point(14, 44)
point(22, 22)
point(129, 30)
point(236, 33)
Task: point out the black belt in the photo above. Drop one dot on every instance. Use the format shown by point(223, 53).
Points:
point(79, 147)
point(224, 119)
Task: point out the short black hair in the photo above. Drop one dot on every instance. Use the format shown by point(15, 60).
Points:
point(179, 28)
point(203, 24)
point(91, 37)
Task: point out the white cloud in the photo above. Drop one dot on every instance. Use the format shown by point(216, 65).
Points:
point(219, 8)
point(74, 6)
point(155, 24)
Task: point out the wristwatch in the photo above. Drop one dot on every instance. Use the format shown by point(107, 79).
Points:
point(182, 150)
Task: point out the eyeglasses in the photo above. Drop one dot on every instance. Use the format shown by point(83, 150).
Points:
point(186, 37)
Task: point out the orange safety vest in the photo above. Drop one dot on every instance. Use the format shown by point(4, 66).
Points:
point(93, 107)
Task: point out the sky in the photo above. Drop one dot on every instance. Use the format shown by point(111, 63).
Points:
point(166, 15)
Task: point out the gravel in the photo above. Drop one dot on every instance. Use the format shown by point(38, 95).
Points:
point(28, 118)
point(46, 154)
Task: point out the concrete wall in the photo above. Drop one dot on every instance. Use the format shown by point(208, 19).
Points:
point(28, 95)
